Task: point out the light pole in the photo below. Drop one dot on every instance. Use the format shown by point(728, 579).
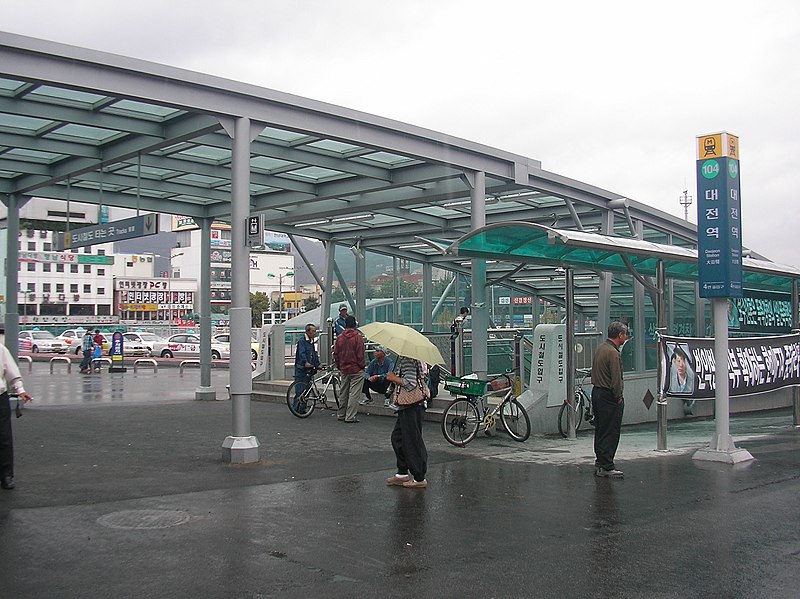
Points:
point(280, 288)
point(685, 201)
point(169, 287)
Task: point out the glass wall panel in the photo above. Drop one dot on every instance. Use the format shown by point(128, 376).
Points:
point(621, 309)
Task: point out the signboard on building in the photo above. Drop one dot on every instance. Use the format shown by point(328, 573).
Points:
point(760, 312)
point(719, 229)
point(186, 223)
point(129, 228)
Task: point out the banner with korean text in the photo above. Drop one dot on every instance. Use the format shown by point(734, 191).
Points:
point(755, 365)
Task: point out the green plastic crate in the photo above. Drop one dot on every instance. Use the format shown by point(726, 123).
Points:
point(464, 386)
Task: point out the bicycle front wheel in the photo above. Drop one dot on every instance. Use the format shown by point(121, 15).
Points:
point(302, 406)
point(515, 420)
point(332, 390)
point(460, 422)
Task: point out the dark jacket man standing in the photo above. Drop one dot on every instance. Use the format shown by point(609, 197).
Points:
point(607, 400)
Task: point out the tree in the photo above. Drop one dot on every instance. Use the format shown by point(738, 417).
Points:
point(259, 303)
point(310, 303)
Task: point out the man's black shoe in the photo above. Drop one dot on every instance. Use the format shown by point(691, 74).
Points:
point(7, 482)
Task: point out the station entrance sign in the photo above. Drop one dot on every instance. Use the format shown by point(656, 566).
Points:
point(719, 225)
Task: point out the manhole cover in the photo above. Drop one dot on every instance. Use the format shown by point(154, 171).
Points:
point(142, 519)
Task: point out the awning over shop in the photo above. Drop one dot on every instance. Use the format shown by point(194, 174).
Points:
point(521, 242)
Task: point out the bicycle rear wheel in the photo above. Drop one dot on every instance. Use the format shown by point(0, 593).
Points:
point(303, 406)
point(515, 420)
point(460, 422)
point(563, 415)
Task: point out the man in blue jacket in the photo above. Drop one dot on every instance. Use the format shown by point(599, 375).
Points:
point(376, 376)
point(306, 360)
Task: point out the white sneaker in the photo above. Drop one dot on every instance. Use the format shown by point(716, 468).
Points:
point(608, 473)
point(366, 401)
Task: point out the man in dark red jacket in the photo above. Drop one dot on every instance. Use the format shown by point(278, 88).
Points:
point(348, 354)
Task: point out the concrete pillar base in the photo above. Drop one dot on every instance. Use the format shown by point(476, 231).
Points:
point(205, 393)
point(725, 456)
point(240, 450)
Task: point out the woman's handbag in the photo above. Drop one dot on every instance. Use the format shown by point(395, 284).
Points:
point(406, 397)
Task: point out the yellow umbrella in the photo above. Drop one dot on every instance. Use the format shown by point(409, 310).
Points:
point(403, 340)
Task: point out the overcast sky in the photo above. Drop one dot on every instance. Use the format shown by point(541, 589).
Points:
point(610, 93)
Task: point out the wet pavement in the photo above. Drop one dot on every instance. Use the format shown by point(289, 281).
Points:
point(121, 492)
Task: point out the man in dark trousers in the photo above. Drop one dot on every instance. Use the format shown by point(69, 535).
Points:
point(607, 400)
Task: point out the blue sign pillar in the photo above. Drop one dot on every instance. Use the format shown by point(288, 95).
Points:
point(719, 225)
point(719, 255)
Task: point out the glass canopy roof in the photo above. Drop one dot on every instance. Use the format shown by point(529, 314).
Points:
point(91, 127)
point(527, 242)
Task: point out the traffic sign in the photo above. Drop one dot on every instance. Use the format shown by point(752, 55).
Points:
point(136, 226)
point(254, 231)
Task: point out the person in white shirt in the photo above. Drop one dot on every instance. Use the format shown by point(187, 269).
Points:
point(11, 380)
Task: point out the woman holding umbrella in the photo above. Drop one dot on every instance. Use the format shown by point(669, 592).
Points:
point(409, 447)
point(415, 351)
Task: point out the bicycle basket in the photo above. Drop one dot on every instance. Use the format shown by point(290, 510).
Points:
point(464, 386)
point(501, 383)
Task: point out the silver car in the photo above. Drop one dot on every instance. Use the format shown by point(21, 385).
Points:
point(40, 341)
point(143, 338)
point(187, 345)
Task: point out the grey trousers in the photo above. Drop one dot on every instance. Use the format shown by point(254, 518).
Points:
point(350, 395)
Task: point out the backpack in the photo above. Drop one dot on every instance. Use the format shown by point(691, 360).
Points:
point(434, 376)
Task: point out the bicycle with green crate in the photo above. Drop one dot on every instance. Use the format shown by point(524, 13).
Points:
point(474, 408)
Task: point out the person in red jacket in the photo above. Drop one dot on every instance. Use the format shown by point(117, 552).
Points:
point(348, 355)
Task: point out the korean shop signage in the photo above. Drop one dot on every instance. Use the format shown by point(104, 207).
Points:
point(719, 225)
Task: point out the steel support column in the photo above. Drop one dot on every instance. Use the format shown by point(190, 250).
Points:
point(12, 275)
point(795, 327)
point(205, 390)
point(241, 446)
point(427, 297)
point(395, 291)
point(480, 316)
point(569, 343)
point(327, 292)
point(360, 309)
point(661, 323)
point(722, 447)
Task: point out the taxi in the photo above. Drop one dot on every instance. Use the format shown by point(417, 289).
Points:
point(187, 345)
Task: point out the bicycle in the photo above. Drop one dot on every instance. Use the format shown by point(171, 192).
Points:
point(583, 405)
point(316, 391)
point(463, 417)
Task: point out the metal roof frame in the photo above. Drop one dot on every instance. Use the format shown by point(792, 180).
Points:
point(88, 126)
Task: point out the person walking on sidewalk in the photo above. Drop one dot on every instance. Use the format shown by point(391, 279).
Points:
point(87, 347)
point(348, 354)
point(11, 380)
point(409, 447)
point(375, 378)
point(607, 400)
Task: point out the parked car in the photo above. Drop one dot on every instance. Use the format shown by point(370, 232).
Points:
point(226, 338)
point(72, 338)
point(41, 342)
point(130, 347)
point(187, 345)
point(143, 338)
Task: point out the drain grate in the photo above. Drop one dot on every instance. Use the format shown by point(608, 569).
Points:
point(144, 519)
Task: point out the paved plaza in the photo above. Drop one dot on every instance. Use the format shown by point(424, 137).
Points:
point(121, 492)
